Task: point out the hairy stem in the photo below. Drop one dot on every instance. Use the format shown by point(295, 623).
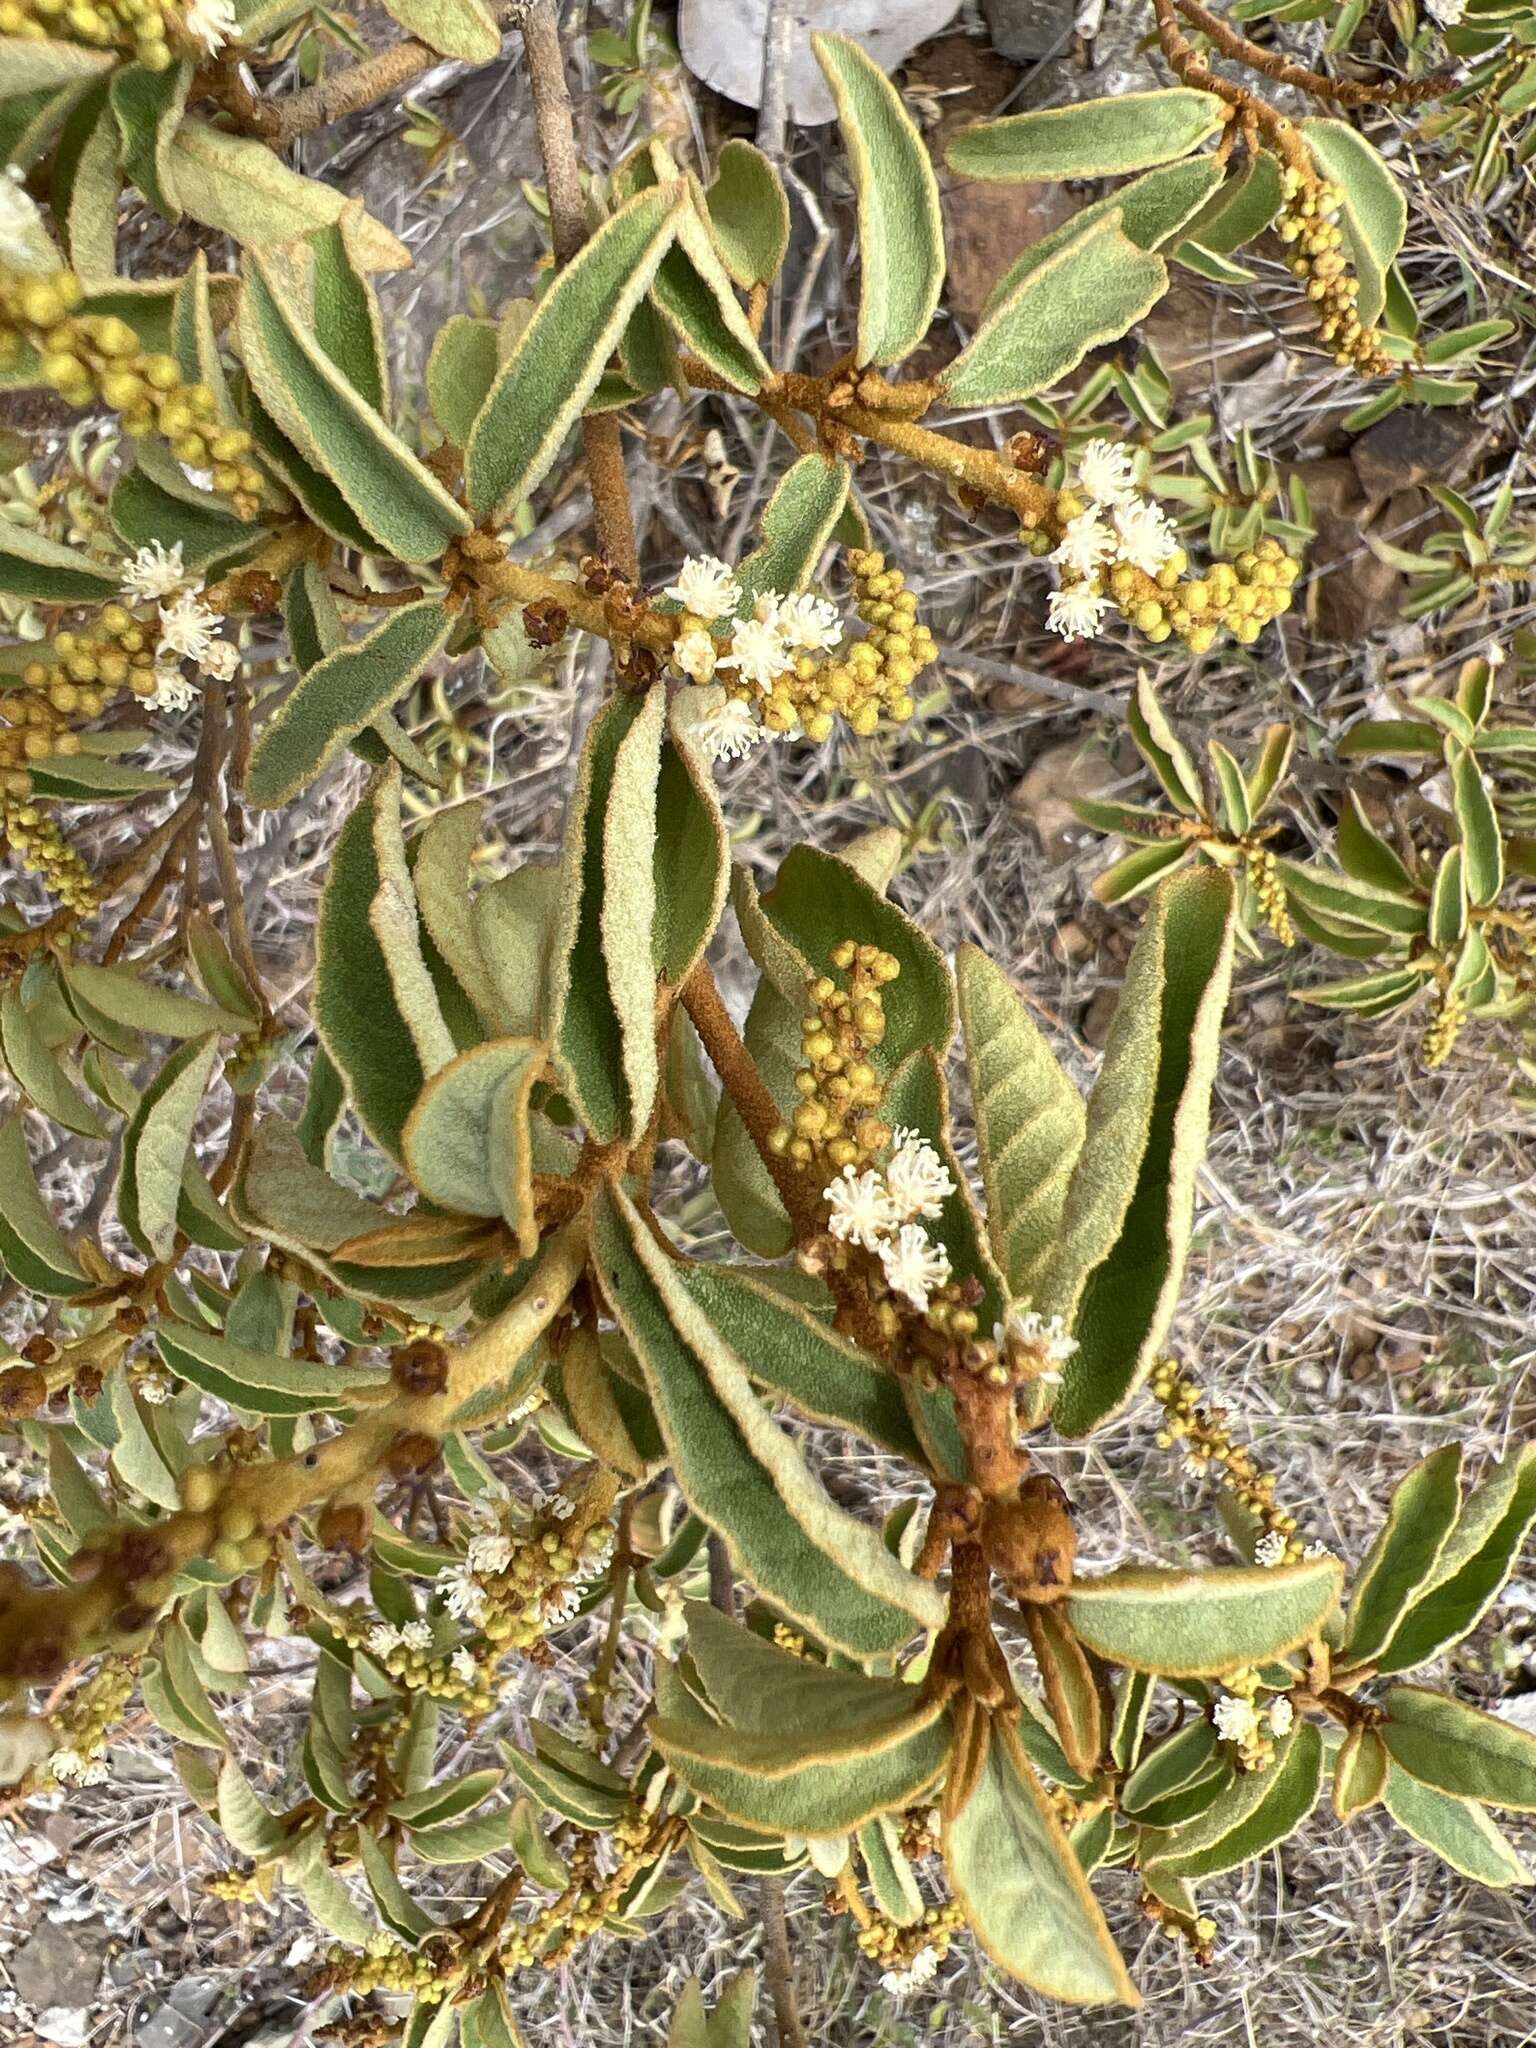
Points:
point(747, 1090)
point(1343, 92)
point(777, 1966)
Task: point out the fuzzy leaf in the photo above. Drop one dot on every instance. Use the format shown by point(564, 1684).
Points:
point(1256, 1811)
point(34, 567)
point(1129, 1208)
point(460, 372)
point(466, 29)
point(244, 190)
point(148, 107)
point(258, 1381)
point(692, 288)
point(1098, 138)
point(797, 524)
point(1404, 1555)
point(1481, 841)
point(1459, 1832)
point(1201, 1624)
point(1022, 1889)
point(1375, 211)
point(901, 231)
point(749, 213)
point(33, 1250)
point(1477, 1557)
point(39, 1074)
point(157, 1145)
point(466, 1141)
point(1457, 1749)
point(1152, 208)
point(563, 351)
point(1359, 1772)
point(1093, 289)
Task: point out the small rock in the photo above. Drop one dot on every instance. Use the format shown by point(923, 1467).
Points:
point(1023, 30)
point(1416, 445)
point(1053, 779)
point(722, 43)
point(58, 1965)
point(66, 2026)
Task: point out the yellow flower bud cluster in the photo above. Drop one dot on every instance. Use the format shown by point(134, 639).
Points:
point(142, 26)
point(909, 1956)
point(427, 1975)
point(1445, 1026)
point(1309, 223)
point(1209, 1448)
point(80, 1727)
point(239, 1887)
point(1198, 1932)
point(557, 1930)
point(90, 358)
point(1241, 596)
point(836, 1120)
point(459, 1676)
point(1269, 892)
point(239, 1544)
point(875, 674)
point(39, 844)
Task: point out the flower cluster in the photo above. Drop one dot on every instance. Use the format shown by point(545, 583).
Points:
point(1210, 1447)
point(81, 1725)
point(152, 33)
point(1119, 552)
point(1309, 223)
point(1445, 1026)
point(1263, 872)
point(770, 661)
point(837, 1119)
point(386, 1965)
point(558, 1929)
point(1250, 1723)
point(515, 1588)
point(39, 844)
point(880, 1209)
point(909, 1957)
point(92, 358)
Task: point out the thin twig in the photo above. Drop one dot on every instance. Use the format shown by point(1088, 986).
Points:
point(778, 1968)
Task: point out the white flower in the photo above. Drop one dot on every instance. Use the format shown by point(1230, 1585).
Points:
point(1195, 1468)
point(1270, 1548)
point(199, 479)
point(416, 1635)
point(172, 691)
point(1281, 1715)
point(1028, 1326)
point(69, 1767)
point(694, 655)
point(1315, 1549)
point(187, 627)
point(1086, 543)
point(705, 587)
point(730, 731)
point(463, 1594)
point(862, 1209)
point(921, 1970)
point(1076, 613)
point(222, 660)
point(24, 242)
point(914, 1264)
point(382, 1639)
point(488, 1554)
point(917, 1178)
point(1106, 472)
point(463, 1667)
point(560, 1506)
point(807, 622)
point(154, 1387)
point(559, 1606)
point(154, 572)
point(597, 1553)
point(758, 652)
point(213, 23)
point(1237, 1719)
point(1146, 538)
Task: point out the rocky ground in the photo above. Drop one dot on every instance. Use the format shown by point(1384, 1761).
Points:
point(1363, 1283)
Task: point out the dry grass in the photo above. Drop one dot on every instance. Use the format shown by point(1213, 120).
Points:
point(1363, 1283)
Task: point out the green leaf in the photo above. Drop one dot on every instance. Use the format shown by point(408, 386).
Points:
point(34, 567)
point(179, 1701)
point(1152, 208)
point(144, 509)
point(242, 188)
point(39, 1074)
point(466, 29)
point(1472, 1755)
point(1070, 1686)
point(1358, 905)
point(562, 352)
point(30, 65)
point(121, 996)
point(611, 1415)
point(1095, 139)
point(749, 213)
point(797, 525)
point(1459, 1832)
point(398, 500)
point(158, 1143)
point(1029, 1120)
point(398, 1910)
point(33, 1250)
point(1404, 1555)
point(692, 288)
point(341, 695)
point(332, 272)
point(758, 1780)
point(738, 1469)
point(691, 866)
point(1243, 208)
point(460, 372)
point(514, 922)
point(1482, 842)
point(257, 1381)
point(603, 978)
point(1375, 211)
point(1365, 854)
point(137, 1458)
point(1116, 1271)
point(148, 107)
point(901, 231)
point(1448, 901)
point(1184, 1758)
point(356, 1010)
point(1359, 1772)
point(1093, 289)
point(1142, 870)
point(1022, 1889)
point(1478, 1556)
point(442, 874)
point(1163, 750)
point(820, 1711)
point(1256, 1811)
point(466, 1141)
point(1199, 1624)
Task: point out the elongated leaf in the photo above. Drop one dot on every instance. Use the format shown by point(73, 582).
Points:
point(1125, 1226)
point(30, 65)
point(242, 188)
point(39, 1074)
point(1359, 1772)
point(1093, 289)
point(1404, 1555)
point(1482, 842)
point(458, 28)
point(397, 499)
point(1029, 1120)
point(1174, 1763)
point(749, 213)
point(901, 232)
point(1022, 1889)
point(33, 1250)
point(797, 525)
point(1477, 1558)
point(1375, 211)
point(1152, 209)
point(739, 1471)
point(1472, 1755)
point(157, 1144)
point(1200, 1624)
point(466, 1141)
point(1459, 1832)
point(692, 288)
point(1070, 1687)
point(563, 351)
point(460, 372)
point(817, 1711)
point(343, 308)
point(692, 860)
point(148, 107)
point(34, 567)
point(258, 1381)
point(1256, 1811)
point(1095, 139)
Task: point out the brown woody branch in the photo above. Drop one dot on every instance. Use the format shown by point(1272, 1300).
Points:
point(1343, 92)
